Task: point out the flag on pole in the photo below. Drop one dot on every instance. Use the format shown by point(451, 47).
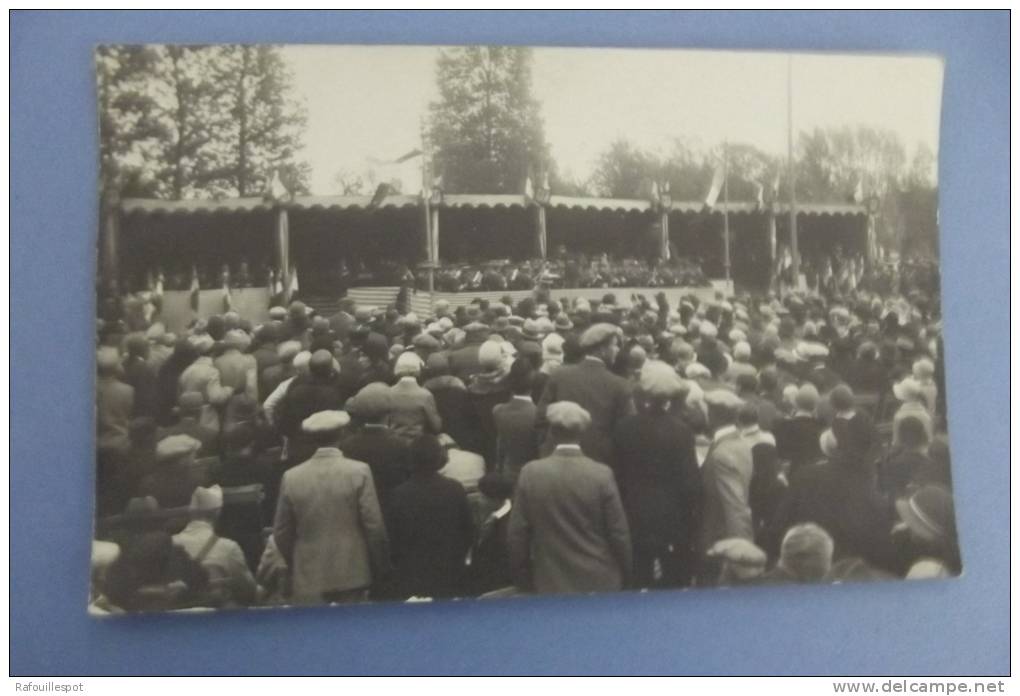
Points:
point(228, 301)
point(381, 191)
point(858, 194)
point(293, 281)
point(194, 288)
point(718, 178)
point(759, 195)
point(529, 189)
point(275, 288)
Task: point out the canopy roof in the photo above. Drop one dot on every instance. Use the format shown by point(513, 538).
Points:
point(154, 206)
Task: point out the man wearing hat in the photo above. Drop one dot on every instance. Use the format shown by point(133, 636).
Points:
point(657, 471)
point(238, 369)
point(173, 480)
point(928, 518)
point(911, 392)
point(740, 561)
point(229, 576)
point(114, 402)
point(726, 476)
point(797, 436)
point(516, 441)
point(140, 375)
point(188, 412)
point(412, 408)
point(464, 360)
point(319, 390)
point(374, 442)
point(202, 376)
point(329, 527)
point(568, 531)
point(589, 383)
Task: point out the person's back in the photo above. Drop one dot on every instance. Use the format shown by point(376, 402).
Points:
point(516, 438)
point(431, 527)
point(567, 516)
point(328, 526)
point(308, 395)
point(386, 454)
point(726, 477)
point(114, 406)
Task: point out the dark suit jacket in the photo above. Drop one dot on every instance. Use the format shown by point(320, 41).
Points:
point(841, 499)
point(140, 375)
point(568, 531)
point(386, 455)
point(464, 360)
point(657, 472)
point(305, 396)
point(604, 395)
point(797, 441)
point(431, 530)
point(516, 439)
point(455, 412)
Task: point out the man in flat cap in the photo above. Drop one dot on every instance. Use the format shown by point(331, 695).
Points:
point(464, 360)
point(319, 390)
point(374, 442)
point(568, 531)
point(229, 576)
point(329, 527)
point(657, 471)
point(202, 376)
point(589, 383)
point(188, 412)
point(173, 480)
point(114, 402)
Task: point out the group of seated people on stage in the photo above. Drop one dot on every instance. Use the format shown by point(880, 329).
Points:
point(566, 271)
point(544, 447)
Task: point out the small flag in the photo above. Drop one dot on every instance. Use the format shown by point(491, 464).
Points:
point(529, 189)
point(275, 190)
point(654, 195)
point(194, 289)
point(759, 195)
point(858, 195)
point(228, 301)
point(718, 178)
point(275, 289)
point(381, 191)
point(293, 281)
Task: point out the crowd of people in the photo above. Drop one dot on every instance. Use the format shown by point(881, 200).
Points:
point(538, 447)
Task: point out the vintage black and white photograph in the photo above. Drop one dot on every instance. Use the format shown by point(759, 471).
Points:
point(417, 323)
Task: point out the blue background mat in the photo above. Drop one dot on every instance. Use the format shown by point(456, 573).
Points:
point(938, 627)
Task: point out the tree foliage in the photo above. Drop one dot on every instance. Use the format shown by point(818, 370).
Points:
point(188, 121)
point(486, 128)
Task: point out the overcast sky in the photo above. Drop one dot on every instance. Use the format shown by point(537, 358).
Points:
point(367, 102)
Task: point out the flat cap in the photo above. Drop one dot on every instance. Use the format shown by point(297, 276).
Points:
point(659, 379)
point(373, 400)
point(176, 446)
point(596, 334)
point(206, 499)
point(325, 421)
point(569, 416)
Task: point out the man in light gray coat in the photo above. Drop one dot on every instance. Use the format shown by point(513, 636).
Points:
point(568, 531)
point(329, 528)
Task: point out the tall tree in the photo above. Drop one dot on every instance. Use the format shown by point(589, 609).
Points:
point(266, 122)
point(486, 127)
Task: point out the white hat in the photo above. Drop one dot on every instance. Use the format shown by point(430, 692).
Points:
point(155, 332)
point(810, 350)
point(287, 350)
point(107, 358)
point(923, 369)
point(908, 389)
point(724, 398)
point(301, 361)
point(697, 371)
point(736, 336)
point(206, 499)
point(408, 363)
point(491, 354)
point(598, 333)
point(104, 553)
point(325, 421)
point(552, 346)
point(203, 343)
point(176, 446)
point(742, 351)
point(236, 338)
point(708, 329)
point(659, 379)
point(568, 415)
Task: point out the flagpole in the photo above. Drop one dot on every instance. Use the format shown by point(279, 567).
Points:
point(794, 252)
point(426, 195)
point(726, 215)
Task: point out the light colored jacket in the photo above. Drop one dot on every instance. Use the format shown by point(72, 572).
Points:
point(202, 376)
point(414, 410)
point(238, 371)
point(329, 528)
point(224, 561)
point(726, 477)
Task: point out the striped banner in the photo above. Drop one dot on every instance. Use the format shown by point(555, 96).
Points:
point(422, 301)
